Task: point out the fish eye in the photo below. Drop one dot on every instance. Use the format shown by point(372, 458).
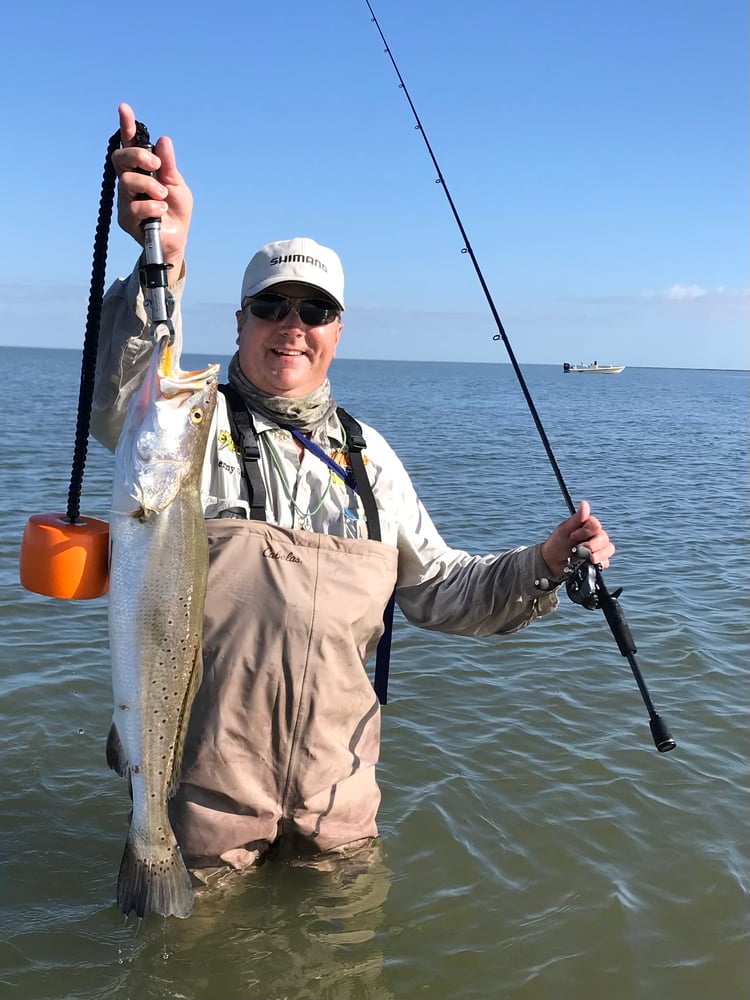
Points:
point(196, 415)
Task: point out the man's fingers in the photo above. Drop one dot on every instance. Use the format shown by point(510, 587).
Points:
point(150, 186)
point(168, 172)
point(127, 124)
point(160, 161)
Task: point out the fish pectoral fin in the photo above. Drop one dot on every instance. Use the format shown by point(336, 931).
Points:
point(196, 676)
point(115, 753)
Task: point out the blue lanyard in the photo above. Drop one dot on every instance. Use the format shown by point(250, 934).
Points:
point(346, 474)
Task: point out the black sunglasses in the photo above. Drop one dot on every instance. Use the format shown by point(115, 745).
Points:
point(312, 312)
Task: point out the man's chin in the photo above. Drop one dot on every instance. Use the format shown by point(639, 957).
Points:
point(289, 383)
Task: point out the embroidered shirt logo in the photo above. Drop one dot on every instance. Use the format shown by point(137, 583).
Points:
point(271, 553)
point(225, 440)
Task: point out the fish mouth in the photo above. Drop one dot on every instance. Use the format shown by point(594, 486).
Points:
point(173, 380)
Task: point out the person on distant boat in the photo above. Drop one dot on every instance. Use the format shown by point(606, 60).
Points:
point(305, 551)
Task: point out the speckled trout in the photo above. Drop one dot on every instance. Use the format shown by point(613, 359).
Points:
point(158, 569)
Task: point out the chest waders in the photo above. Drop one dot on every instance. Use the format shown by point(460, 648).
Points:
point(284, 733)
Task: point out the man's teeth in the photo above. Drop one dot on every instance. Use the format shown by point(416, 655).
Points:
point(288, 353)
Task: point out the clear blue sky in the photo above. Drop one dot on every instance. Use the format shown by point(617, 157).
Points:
point(597, 153)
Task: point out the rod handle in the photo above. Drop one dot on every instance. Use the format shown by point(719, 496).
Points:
point(662, 736)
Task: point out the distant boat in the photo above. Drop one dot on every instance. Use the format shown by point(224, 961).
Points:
point(593, 369)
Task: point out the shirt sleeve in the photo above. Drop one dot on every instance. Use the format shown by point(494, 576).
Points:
point(448, 589)
point(123, 353)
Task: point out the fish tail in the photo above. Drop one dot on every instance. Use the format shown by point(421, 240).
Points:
point(157, 884)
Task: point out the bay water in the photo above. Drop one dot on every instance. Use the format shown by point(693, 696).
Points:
point(534, 844)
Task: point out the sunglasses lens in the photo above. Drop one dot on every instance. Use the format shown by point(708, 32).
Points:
point(312, 312)
point(316, 312)
point(271, 307)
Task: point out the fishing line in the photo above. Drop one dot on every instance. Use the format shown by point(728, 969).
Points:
point(584, 581)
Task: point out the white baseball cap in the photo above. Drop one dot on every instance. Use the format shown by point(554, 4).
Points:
point(300, 259)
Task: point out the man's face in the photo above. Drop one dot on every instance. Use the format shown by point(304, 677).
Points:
point(286, 357)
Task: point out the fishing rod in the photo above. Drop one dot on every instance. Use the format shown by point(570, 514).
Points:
point(583, 580)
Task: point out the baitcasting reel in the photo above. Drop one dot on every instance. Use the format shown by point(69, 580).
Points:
point(580, 579)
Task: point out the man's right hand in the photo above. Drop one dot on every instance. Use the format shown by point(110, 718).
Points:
point(168, 197)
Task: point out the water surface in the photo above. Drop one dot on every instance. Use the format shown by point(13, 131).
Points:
point(534, 846)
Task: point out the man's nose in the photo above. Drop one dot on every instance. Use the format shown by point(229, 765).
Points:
point(292, 321)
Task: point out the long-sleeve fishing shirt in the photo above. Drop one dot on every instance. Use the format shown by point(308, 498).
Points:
point(438, 587)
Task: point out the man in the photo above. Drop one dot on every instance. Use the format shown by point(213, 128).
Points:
point(284, 733)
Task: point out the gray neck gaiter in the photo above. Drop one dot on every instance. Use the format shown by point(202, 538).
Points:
point(306, 413)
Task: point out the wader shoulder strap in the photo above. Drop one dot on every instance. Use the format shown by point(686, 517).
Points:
point(246, 440)
point(356, 444)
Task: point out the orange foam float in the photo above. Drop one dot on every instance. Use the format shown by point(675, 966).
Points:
point(64, 558)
